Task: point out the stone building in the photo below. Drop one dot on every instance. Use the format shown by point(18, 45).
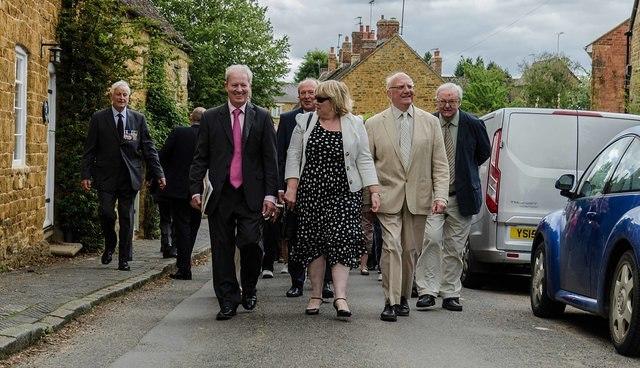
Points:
point(27, 86)
point(364, 62)
point(633, 62)
point(608, 68)
point(28, 116)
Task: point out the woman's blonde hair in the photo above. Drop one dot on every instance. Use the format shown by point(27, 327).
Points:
point(338, 92)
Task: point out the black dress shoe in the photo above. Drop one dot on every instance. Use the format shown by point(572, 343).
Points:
point(414, 292)
point(389, 313)
point(124, 266)
point(106, 258)
point(327, 291)
point(181, 275)
point(403, 309)
point(452, 304)
point(249, 301)
point(171, 252)
point(226, 312)
point(294, 292)
point(425, 302)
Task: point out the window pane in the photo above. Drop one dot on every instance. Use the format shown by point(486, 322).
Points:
point(627, 176)
point(600, 170)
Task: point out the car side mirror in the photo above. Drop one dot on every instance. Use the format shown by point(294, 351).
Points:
point(565, 184)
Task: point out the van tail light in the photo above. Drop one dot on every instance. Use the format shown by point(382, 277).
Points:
point(493, 181)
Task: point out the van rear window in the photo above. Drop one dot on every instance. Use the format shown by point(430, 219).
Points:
point(543, 141)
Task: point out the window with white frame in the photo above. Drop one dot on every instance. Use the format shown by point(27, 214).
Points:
point(276, 111)
point(20, 108)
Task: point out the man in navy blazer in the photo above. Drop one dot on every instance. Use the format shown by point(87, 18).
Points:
point(467, 146)
point(117, 142)
point(237, 145)
point(176, 156)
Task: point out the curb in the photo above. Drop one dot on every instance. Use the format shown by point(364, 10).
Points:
point(17, 338)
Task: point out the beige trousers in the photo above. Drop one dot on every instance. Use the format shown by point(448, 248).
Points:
point(401, 240)
point(439, 265)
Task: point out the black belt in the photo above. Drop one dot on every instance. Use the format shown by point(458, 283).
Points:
point(452, 193)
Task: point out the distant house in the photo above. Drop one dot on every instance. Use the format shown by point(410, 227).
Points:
point(608, 69)
point(287, 101)
point(365, 64)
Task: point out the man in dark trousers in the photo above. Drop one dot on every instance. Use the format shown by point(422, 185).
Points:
point(117, 142)
point(306, 96)
point(467, 146)
point(237, 144)
point(176, 156)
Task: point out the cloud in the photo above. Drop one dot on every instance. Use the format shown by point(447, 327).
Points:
point(505, 31)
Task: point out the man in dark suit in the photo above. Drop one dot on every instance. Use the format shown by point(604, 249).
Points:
point(237, 144)
point(467, 146)
point(176, 156)
point(117, 142)
point(306, 96)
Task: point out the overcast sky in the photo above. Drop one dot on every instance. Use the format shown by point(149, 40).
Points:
point(505, 31)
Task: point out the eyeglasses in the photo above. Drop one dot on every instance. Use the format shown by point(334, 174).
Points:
point(448, 102)
point(407, 86)
point(321, 99)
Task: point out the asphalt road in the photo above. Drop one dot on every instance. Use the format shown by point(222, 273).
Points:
point(172, 324)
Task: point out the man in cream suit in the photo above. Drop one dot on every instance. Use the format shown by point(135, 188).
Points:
point(409, 154)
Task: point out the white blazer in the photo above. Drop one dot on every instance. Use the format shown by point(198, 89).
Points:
point(361, 171)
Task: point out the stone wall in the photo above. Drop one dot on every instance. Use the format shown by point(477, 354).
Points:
point(25, 23)
point(608, 64)
point(367, 84)
point(634, 85)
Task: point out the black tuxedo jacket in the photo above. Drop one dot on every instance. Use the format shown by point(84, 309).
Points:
point(285, 131)
point(104, 151)
point(214, 151)
point(472, 149)
point(176, 157)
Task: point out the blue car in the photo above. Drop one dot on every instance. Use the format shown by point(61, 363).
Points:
point(587, 255)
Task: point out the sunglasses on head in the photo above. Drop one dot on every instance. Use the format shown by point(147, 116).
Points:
point(321, 99)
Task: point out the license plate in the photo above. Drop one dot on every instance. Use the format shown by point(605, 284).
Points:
point(522, 232)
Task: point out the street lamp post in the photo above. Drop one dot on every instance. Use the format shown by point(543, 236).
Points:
point(558, 42)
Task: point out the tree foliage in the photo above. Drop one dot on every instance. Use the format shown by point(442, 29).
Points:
point(427, 57)
point(550, 81)
point(223, 33)
point(312, 63)
point(486, 88)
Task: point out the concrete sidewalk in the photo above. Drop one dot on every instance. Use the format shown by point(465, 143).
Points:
point(37, 301)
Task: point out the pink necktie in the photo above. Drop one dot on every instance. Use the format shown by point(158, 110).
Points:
point(235, 175)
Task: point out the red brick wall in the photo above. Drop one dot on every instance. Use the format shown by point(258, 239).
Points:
point(608, 68)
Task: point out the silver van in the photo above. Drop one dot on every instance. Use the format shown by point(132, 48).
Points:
point(530, 150)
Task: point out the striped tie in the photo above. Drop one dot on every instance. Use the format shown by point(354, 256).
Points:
point(451, 151)
point(405, 139)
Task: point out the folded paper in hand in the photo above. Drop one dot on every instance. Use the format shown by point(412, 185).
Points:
point(206, 191)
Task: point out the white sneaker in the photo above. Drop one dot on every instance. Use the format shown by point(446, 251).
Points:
point(266, 274)
point(380, 277)
point(285, 269)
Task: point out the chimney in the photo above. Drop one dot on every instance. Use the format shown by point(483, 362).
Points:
point(436, 62)
point(356, 39)
point(387, 28)
point(345, 51)
point(368, 46)
point(332, 61)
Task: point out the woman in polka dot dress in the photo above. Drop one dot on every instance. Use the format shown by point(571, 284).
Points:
point(328, 164)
